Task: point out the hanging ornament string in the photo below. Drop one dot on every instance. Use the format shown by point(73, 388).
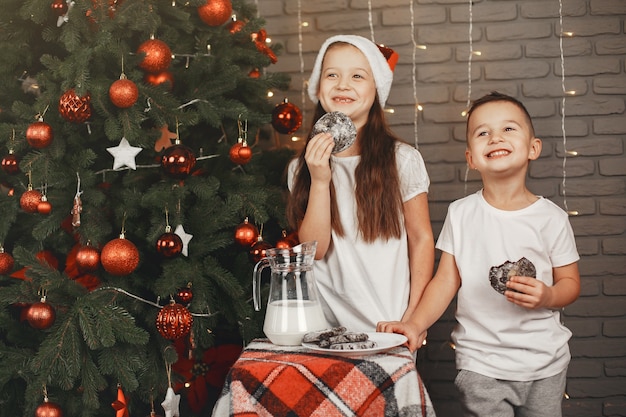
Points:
point(470, 54)
point(168, 371)
point(563, 103)
point(561, 33)
point(469, 79)
point(77, 207)
point(370, 19)
point(414, 75)
point(304, 82)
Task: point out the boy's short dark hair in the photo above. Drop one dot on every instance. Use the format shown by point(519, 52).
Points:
point(496, 96)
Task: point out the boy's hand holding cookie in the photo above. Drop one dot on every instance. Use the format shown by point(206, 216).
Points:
point(528, 292)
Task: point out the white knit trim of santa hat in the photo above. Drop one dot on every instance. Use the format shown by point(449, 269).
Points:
point(381, 68)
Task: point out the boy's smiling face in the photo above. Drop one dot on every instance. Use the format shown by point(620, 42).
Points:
point(500, 139)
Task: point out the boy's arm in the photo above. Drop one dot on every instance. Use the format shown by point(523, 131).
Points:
point(437, 296)
point(533, 293)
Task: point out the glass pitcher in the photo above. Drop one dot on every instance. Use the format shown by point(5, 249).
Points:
point(293, 307)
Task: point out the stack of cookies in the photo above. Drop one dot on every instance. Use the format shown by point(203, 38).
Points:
point(338, 338)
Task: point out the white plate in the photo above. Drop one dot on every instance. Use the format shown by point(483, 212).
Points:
point(384, 342)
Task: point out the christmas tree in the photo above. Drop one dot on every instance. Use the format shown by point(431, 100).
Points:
point(134, 200)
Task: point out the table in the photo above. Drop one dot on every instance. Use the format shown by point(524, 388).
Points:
point(294, 381)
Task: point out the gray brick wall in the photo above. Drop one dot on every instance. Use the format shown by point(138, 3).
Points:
point(519, 42)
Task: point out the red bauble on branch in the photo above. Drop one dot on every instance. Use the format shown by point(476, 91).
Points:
point(87, 259)
point(123, 93)
point(119, 256)
point(178, 161)
point(29, 201)
point(169, 244)
point(286, 117)
point(59, 7)
point(39, 134)
point(44, 206)
point(287, 240)
point(41, 315)
point(48, 409)
point(215, 12)
point(235, 25)
point(74, 108)
point(254, 73)
point(158, 55)
point(184, 295)
point(240, 153)
point(6, 262)
point(10, 163)
point(174, 321)
point(246, 234)
point(164, 78)
point(258, 250)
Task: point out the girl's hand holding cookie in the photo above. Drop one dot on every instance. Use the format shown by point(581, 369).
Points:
point(317, 157)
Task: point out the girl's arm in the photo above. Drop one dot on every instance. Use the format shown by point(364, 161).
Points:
point(316, 224)
point(421, 248)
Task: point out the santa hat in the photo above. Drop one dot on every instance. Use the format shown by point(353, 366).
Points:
point(382, 60)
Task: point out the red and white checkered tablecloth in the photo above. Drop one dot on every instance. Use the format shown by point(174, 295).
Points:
point(293, 381)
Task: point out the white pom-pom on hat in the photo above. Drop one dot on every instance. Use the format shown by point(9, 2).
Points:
point(382, 70)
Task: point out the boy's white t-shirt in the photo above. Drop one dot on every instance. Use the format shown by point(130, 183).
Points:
point(495, 337)
point(363, 283)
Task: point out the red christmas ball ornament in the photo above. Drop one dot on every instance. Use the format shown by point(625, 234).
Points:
point(48, 409)
point(74, 108)
point(174, 321)
point(164, 78)
point(254, 73)
point(178, 161)
point(287, 241)
point(39, 134)
point(215, 12)
point(123, 93)
point(6, 262)
point(169, 244)
point(235, 25)
point(87, 259)
point(119, 256)
point(258, 250)
point(286, 117)
point(59, 7)
point(29, 201)
point(246, 234)
point(184, 295)
point(41, 315)
point(240, 153)
point(158, 55)
point(10, 163)
point(44, 206)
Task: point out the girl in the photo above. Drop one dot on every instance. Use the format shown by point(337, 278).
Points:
point(367, 205)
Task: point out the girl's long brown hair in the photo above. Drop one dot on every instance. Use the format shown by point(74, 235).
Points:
point(378, 196)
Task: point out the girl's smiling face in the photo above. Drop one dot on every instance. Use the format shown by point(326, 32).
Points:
point(500, 139)
point(347, 83)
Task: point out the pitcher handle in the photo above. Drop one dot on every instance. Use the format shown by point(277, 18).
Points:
point(256, 282)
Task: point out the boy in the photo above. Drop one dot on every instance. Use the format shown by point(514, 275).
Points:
point(512, 258)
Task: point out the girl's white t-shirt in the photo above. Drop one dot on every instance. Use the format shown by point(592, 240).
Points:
point(363, 283)
point(495, 337)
